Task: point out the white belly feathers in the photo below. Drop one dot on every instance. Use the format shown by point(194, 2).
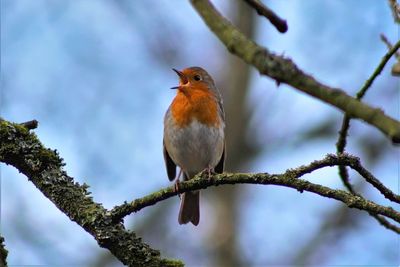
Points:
point(193, 147)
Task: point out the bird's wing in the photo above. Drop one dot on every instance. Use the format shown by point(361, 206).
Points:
point(169, 164)
point(220, 166)
point(221, 106)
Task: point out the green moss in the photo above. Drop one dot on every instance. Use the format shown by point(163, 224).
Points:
point(171, 263)
point(44, 168)
point(3, 253)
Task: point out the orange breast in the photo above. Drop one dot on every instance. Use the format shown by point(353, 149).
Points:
point(196, 104)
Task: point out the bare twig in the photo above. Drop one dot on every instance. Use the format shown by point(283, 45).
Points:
point(389, 45)
point(378, 70)
point(382, 220)
point(280, 24)
point(284, 70)
point(341, 143)
point(355, 164)
point(396, 66)
point(370, 178)
point(343, 172)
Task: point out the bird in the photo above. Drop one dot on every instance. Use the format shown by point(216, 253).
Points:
point(194, 135)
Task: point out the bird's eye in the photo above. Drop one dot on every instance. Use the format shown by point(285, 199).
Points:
point(197, 77)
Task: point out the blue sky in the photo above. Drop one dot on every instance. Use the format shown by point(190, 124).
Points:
point(96, 74)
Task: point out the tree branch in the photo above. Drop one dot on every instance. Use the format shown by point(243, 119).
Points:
point(355, 164)
point(378, 70)
point(287, 179)
point(341, 143)
point(44, 168)
point(284, 70)
point(280, 24)
point(30, 125)
point(3, 252)
point(389, 45)
point(396, 66)
point(384, 222)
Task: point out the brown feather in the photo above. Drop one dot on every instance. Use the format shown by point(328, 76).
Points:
point(219, 168)
point(190, 210)
point(169, 164)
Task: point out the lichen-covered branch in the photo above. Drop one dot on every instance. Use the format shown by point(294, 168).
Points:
point(3, 252)
point(355, 164)
point(287, 179)
point(44, 168)
point(30, 125)
point(284, 70)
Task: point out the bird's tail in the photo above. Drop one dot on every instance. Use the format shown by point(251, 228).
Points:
point(190, 210)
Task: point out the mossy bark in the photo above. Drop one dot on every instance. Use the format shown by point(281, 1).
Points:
point(44, 168)
point(3, 253)
point(289, 179)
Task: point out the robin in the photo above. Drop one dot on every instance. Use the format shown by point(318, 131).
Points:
point(194, 134)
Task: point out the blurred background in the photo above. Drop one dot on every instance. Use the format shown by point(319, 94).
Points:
point(95, 74)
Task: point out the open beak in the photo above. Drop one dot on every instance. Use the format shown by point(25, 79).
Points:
point(182, 78)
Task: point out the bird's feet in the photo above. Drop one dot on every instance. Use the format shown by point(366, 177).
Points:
point(176, 187)
point(176, 184)
point(210, 172)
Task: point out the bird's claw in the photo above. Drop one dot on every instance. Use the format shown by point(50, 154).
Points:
point(210, 172)
point(176, 187)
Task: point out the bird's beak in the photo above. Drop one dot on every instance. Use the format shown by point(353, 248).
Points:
point(182, 78)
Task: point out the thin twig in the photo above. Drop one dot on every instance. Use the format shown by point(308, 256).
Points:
point(382, 220)
point(280, 24)
point(396, 67)
point(389, 45)
point(341, 143)
point(370, 178)
point(378, 70)
point(350, 161)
